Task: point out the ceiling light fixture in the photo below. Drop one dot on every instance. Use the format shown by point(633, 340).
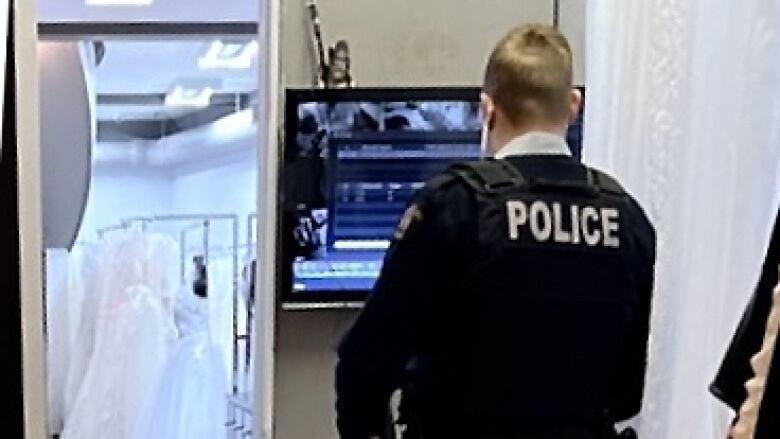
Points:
point(182, 97)
point(228, 55)
point(118, 2)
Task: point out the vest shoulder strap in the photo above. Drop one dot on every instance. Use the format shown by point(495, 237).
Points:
point(493, 176)
point(607, 183)
point(488, 176)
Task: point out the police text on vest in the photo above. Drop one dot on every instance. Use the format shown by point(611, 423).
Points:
point(588, 224)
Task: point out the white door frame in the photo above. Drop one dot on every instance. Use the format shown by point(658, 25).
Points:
point(268, 166)
point(30, 223)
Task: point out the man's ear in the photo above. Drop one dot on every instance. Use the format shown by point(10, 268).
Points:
point(575, 104)
point(488, 108)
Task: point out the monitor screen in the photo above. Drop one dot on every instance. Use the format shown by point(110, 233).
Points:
point(353, 160)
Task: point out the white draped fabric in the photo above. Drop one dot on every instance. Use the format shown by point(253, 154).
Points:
point(220, 304)
point(133, 337)
point(117, 365)
point(57, 330)
point(189, 400)
point(83, 299)
point(683, 106)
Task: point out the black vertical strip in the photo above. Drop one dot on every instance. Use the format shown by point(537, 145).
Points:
point(11, 321)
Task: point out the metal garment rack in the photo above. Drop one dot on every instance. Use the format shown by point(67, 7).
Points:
point(251, 221)
point(241, 403)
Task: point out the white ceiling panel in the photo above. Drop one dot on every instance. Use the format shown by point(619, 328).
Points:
point(182, 11)
point(147, 67)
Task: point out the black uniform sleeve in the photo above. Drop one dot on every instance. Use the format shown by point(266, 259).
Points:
point(729, 384)
point(628, 385)
point(397, 320)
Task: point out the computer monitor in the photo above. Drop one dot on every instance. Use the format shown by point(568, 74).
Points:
point(353, 159)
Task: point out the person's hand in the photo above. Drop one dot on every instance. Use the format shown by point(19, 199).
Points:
point(732, 433)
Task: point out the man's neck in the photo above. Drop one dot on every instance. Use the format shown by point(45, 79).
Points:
point(505, 137)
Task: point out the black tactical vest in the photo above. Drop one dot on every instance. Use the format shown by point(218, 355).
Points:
point(533, 333)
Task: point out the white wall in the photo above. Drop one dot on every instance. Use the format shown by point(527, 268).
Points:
point(118, 193)
point(413, 42)
point(403, 42)
point(226, 187)
point(216, 187)
point(223, 185)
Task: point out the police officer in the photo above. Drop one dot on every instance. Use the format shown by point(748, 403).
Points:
point(514, 301)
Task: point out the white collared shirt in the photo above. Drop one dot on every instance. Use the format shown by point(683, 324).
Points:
point(535, 143)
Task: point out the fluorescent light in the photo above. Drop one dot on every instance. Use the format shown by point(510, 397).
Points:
point(181, 97)
point(118, 2)
point(228, 55)
point(232, 126)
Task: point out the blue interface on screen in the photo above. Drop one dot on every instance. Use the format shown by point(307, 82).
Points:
point(370, 159)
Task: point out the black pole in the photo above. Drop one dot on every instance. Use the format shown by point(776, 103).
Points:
point(322, 62)
point(12, 402)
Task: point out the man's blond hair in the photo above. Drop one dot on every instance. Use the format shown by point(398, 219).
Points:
point(529, 74)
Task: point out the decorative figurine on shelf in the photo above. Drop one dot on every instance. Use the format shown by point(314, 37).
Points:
point(339, 75)
point(333, 71)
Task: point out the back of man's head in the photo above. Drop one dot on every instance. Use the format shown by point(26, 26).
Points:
point(529, 75)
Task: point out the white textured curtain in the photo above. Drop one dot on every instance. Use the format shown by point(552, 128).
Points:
point(683, 106)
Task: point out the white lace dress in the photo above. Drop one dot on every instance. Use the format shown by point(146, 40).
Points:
point(190, 400)
point(83, 304)
point(133, 338)
point(57, 336)
point(220, 307)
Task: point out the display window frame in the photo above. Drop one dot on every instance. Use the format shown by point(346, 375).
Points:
point(32, 332)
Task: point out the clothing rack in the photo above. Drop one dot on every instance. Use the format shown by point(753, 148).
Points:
point(251, 235)
point(103, 230)
point(240, 404)
point(214, 249)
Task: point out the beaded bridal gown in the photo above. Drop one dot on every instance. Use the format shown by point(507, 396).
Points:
point(190, 400)
point(134, 335)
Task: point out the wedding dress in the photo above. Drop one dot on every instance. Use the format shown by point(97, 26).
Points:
point(57, 336)
point(134, 334)
point(220, 308)
point(83, 302)
point(190, 400)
